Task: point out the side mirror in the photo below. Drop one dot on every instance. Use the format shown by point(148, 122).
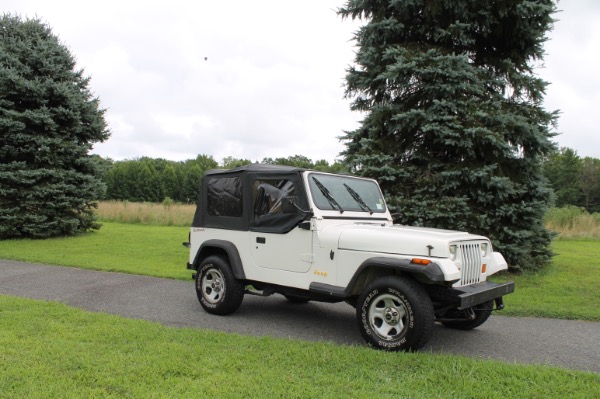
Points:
point(289, 205)
point(395, 215)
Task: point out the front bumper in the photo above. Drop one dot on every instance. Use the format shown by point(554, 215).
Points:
point(475, 294)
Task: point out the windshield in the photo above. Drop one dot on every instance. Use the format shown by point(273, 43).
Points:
point(345, 193)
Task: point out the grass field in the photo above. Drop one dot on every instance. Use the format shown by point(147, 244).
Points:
point(569, 221)
point(49, 350)
point(166, 214)
point(567, 289)
point(573, 222)
point(129, 248)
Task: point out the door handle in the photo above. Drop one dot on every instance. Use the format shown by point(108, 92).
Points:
point(261, 240)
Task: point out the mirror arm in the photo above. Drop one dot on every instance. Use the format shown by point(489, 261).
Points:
point(307, 213)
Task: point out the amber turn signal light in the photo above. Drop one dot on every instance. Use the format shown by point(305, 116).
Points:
point(420, 261)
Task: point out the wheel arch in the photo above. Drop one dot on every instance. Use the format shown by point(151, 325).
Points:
point(375, 267)
point(225, 249)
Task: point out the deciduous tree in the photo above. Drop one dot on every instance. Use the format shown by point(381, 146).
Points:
point(590, 183)
point(563, 170)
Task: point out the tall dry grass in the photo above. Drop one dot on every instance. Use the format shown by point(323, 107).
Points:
point(573, 222)
point(165, 214)
point(568, 222)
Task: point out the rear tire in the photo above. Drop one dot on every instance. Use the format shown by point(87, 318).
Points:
point(395, 314)
point(218, 291)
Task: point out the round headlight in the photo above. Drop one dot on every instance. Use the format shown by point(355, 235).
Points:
point(484, 248)
point(453, 250)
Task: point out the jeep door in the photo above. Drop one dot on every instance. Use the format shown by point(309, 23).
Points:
point(276, 240)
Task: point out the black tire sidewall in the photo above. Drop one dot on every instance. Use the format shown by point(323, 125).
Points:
point(419, 313)
point(201, 273)
point(232, 294)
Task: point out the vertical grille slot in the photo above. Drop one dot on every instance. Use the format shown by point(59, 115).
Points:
point(470, 254)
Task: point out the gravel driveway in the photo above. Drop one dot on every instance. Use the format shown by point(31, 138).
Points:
point(569, 344)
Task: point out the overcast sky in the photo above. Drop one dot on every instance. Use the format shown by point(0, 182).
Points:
point(264, 78)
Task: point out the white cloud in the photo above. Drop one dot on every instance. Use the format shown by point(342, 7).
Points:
point(271, 83)
point(571, 67)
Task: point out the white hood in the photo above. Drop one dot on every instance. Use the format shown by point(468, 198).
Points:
point(402, 240)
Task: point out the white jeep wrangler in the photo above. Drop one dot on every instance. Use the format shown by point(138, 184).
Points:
point(308, 235)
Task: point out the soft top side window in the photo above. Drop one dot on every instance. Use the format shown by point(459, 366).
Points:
point(224, 196)
point(268, 194)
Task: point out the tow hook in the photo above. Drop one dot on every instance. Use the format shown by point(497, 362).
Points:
point(499, 303)
point(470, 314)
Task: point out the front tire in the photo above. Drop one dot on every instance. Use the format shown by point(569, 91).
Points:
point(395, 314)
point(218, 291)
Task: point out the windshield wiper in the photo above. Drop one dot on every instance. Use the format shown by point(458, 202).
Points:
point(358, 199)
point(327, 195)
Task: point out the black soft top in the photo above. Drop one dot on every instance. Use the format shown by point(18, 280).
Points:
point(228, 193)
point(257, 167)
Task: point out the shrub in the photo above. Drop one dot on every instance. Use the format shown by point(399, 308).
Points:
point(571, 221)
point(563, 217)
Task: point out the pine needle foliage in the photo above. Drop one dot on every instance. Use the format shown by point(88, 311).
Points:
point(49, 121)
point(454, 126)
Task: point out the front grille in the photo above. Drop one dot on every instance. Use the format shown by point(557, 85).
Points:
point(470, 257)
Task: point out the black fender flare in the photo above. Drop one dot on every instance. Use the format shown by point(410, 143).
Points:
point(232, 253)
point(431, 272)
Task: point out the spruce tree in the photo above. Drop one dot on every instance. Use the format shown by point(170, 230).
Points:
point(49, 121)
point(454, 127)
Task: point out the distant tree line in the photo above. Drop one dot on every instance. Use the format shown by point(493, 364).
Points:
point(156, 179)
point(575, 180)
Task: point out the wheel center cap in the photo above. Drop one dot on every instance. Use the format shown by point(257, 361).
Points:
point(216, 286)
point(391, 315)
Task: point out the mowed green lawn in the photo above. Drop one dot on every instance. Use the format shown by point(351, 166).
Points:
point(567, 289)
point(49, 350)
point(129, 248)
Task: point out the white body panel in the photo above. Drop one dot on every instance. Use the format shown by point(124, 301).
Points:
point(291, 252)
point(301, 257)
point(337, 243)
